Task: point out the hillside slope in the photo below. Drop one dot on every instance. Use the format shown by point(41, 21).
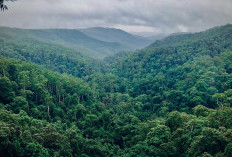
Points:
point(72, 38)
point(51, 55)
point(180, 74)
point(178, 38)
point(43, 113)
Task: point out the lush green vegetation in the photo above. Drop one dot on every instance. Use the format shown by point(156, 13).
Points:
point(50, 55)
point(111, 59)
point(180, 76)
point(171, 99)
point(71, 38)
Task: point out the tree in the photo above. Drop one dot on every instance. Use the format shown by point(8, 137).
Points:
point(174, 120)
point(7, 90)
point(20, 103)
point(3, 6)
point(210, 140)
point(201, 110)
point(35, 150)
point(159, 135)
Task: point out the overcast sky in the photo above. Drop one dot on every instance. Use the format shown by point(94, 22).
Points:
point(156, 16)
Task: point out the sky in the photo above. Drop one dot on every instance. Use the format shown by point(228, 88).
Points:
point(152, 17)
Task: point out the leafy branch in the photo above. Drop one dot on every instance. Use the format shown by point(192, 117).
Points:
point(3, 6)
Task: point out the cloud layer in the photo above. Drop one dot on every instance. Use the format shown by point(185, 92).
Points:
point(156, 16)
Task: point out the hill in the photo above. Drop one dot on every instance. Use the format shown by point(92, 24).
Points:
point(117, 35)
point(71, 38)
point(179, 72)
point(178, 38)
point(53, 56)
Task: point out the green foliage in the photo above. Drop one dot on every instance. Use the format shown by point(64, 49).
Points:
point(53, 56)
point(180, 72)
point(72, 38)
point(171, 99)
point(201, 111)
point(41, 93)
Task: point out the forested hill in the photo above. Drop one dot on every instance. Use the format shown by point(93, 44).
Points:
point(72, 38)
point(43, 113)
point(216, 32)
point(183, 75)
point(119, 36)
point(51, 55)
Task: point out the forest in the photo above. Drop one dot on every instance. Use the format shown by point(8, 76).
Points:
point(171, 98)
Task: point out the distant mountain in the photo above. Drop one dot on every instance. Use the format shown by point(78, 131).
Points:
point(150, 35)
point(20, 44)
point(117, 35)
point(72, 38)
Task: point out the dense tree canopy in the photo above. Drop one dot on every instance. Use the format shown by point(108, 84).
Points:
point(171, 99)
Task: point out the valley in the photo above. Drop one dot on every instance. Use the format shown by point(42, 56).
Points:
point(170, 97)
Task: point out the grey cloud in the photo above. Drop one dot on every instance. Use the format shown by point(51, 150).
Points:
point(157, 16)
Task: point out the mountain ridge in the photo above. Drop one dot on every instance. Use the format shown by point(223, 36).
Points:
point(117, 35)
point(69, 37)
point(174, 39)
